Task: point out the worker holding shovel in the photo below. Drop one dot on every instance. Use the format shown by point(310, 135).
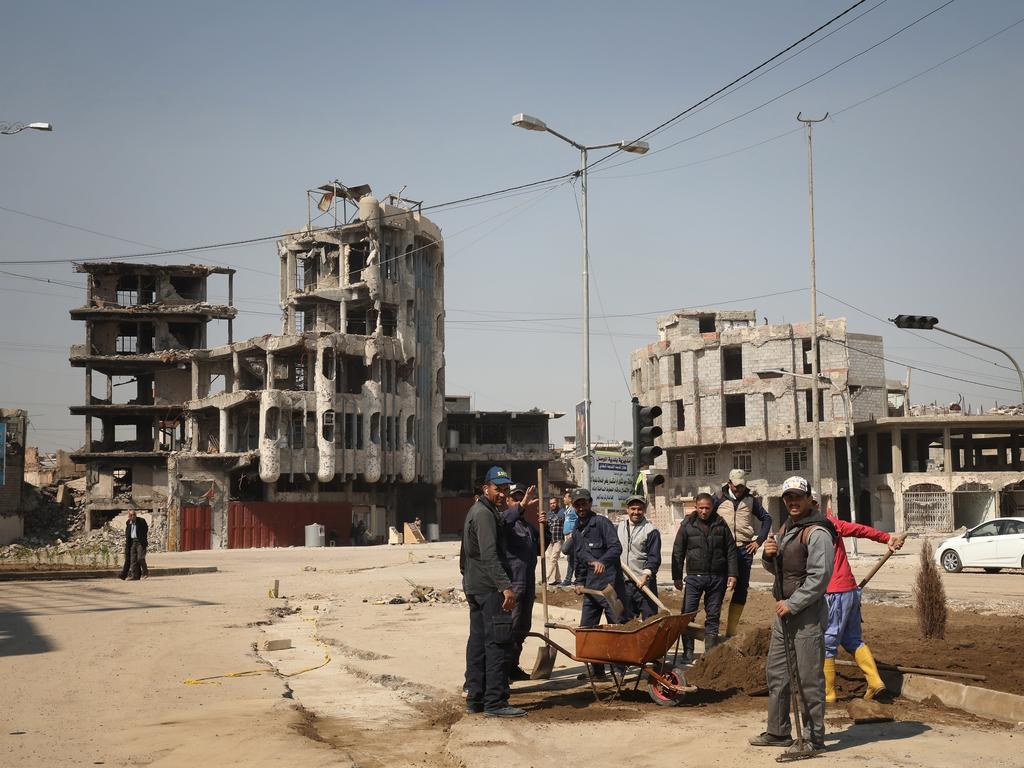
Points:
point(596, 551)
point(801, 558)
point(843, 598)
point(641, 552)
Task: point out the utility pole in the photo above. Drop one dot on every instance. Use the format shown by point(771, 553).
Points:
point(815, 372)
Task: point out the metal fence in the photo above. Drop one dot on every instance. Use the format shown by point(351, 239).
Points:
point(928, 510)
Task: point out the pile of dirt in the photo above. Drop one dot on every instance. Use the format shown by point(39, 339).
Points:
point(736, 665)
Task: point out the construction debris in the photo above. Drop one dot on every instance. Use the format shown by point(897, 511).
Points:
point(277, 645)
point(863, 711)
point(424, 594)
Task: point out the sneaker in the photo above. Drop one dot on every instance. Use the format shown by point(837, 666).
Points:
point(505, 711)
point(474, 709)
point(518, 674)
point(765, 739)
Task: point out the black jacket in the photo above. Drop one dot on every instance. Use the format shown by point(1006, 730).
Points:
point(705, 548)
point(483, 559)
point(141, 532)
point(522, 543)
point(595, 539)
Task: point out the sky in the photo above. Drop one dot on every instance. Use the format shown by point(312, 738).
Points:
point(194, 123)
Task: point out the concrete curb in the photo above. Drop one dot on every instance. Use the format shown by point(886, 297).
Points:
point(994, 705)
point(98, 574)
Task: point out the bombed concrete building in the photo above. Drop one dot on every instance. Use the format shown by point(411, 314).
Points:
point(13, 425)
point(143, 322)
point(340, 417)
point(719, 414)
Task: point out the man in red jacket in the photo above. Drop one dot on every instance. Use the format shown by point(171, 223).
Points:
point(843, 599)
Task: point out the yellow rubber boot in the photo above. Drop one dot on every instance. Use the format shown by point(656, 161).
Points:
point(866, 662)
point(830, 681)
point(733, 622)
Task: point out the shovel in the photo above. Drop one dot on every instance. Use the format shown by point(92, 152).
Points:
point(802, 749)
point(615, 605)
point(545, 662)
point(879, 564)
point(646, 590)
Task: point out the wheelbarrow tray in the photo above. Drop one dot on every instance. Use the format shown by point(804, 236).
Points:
point(636, 645)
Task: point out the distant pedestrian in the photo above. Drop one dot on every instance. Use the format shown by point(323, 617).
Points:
point(556, 535)
point(486, 581)
point(569, 511)
point(136, 541)
point(522, 542)
point(705, 546)
point(596, 548)
point(743, 512)
point(801, 558)
point(641, 551)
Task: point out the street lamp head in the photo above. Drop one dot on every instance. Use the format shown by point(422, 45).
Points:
point(40, 126)
point(636, 147)
point(773, 373)
point(529, 122)
point(778, 373)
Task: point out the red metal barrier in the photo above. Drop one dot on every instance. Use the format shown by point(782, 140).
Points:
point(283, 524)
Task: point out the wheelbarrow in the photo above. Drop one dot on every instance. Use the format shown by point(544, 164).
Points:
point(642, 645)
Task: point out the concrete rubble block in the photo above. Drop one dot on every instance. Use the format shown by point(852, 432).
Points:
point(282, 644)
point(861, 711)
point(995, 705)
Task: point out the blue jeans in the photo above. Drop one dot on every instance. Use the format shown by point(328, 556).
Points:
point(639, 604)
point(843, 622)
point(487, 651)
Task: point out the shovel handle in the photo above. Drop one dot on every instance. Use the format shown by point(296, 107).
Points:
point(874, 570)
point(646, 590)
point(543, 548)
point(557, 625)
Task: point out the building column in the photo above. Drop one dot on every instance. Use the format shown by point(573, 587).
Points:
point(897, 480)
point(947, 452)
point(268, 382)
point(1015, 451)
point(195, 380)
point(236, 373)
point(223, 436)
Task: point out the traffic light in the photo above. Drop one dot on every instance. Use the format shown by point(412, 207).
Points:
point(652, 482)
point(645, 433)
point(924, 322)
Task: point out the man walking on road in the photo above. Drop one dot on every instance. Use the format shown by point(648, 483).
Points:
point(740, 509)
point(704, 544)
point(596, 549)
point(641, 551)
point(485, 580)
point(801, 559)
point(843, 600)
point(136, 541)
point(556, 535)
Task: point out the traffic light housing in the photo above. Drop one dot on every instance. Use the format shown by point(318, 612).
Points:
point(645, 433)
point(923, 322)
point(652, 482)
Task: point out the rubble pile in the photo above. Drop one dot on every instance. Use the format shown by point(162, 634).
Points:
point(46, 518)
point(423, 594)
point(1007, 410)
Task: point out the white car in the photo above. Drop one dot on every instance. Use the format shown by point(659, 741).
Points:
point(992, 545)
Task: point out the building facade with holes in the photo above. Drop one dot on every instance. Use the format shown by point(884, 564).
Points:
point(720, 411)
point(339, 418)
point(143, 323)
point(939, 473)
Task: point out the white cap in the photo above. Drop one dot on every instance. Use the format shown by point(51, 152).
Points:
point(796, 483)
point(738, 477)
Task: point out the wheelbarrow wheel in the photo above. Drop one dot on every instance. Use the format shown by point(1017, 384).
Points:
point(662, 696)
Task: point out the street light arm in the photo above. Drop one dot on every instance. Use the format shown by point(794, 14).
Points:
point(9, 129)
point(1009, 357)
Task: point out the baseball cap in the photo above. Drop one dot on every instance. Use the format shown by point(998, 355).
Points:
point(517, 488)
point(796, 484)
point(636, 498)
point(738, 477)
point(497, 476)
point(581, 493)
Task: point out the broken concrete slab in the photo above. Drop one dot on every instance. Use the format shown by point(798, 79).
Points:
point(862, 711)
point(995, 705)
point(280, 644)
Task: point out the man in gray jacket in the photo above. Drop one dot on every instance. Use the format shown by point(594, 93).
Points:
point(488, 587)
point(801, 559)
point(641, 551)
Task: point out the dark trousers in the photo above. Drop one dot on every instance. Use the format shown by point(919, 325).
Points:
point(487, 651)
point(522, 622)
point(712, 588)
point(593, 609)
point(134, 562)
point(745, 561)
point(570, 569)
point(639, 604)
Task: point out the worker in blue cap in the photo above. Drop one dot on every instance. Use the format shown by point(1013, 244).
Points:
point(486, 580)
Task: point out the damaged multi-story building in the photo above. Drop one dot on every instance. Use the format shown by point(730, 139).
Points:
point(143, 322)
point(13, 425)
point(718, 413)
point(340, 417)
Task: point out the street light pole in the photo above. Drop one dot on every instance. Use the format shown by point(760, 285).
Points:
point(815, 372)
point(531, 123)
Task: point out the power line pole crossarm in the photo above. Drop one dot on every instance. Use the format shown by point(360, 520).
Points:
point(815, 372)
